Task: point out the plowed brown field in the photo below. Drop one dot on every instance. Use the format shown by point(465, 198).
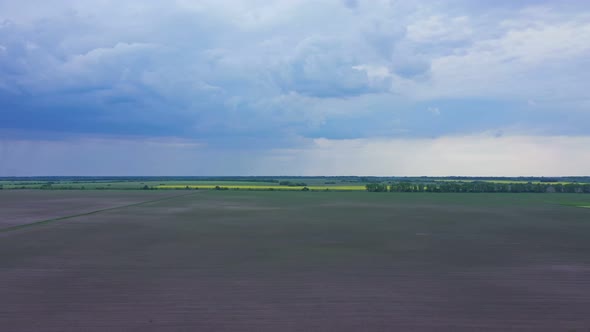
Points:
point(297, 261)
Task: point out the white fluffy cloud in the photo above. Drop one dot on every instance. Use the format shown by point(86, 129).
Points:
point(306, 47)
point(540, 59)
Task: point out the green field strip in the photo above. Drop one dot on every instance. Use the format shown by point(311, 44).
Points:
point(49, 221)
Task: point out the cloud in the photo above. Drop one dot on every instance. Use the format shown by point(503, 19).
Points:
point(328, 67)
point(474, 155)
point(275, 74)
point(518, 63)
point(440, 29)
point(350, 3)
point(100, 156)
point(434, 110)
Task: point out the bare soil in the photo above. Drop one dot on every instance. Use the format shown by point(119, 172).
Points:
point(18, 207)
point(290, 261)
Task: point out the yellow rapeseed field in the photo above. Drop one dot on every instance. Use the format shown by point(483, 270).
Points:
point(261, 187)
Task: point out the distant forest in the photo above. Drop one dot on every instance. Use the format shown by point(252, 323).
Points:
point(481, 187)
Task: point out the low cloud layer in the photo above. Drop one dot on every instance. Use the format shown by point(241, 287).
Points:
point(480, 155)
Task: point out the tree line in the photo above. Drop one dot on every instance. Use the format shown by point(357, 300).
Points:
point(480, 187)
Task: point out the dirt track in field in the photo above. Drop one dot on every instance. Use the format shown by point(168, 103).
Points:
point(263, 261)
point(21, 207)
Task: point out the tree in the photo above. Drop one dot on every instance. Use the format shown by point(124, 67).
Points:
point(292, 184)
point(376, 187)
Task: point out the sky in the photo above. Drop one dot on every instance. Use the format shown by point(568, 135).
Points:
point(294, 87)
